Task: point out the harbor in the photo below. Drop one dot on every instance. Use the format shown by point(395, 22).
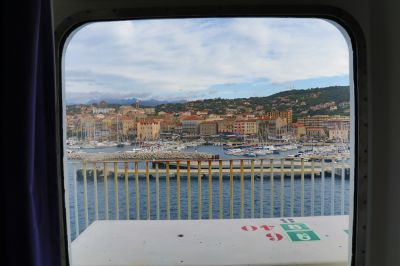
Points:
point(200, 150)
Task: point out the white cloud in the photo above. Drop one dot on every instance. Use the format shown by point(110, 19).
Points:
point(166, 57)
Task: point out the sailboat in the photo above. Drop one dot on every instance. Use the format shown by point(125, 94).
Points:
point(263, 149)
point(119, 143)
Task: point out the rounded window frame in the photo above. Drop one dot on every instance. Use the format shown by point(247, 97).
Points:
point(346, 24)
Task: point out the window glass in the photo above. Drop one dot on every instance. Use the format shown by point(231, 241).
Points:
point(211, 118)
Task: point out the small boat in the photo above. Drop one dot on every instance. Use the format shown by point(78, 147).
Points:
point(180, 147)
point(250, 154)
point(270, 147)
point(88, 146)
point(262, 152)
point(192, 144)
point(136, 149)
point(100, 145)
point(234, 151)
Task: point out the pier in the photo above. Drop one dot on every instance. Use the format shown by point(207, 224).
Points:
point(142, 155)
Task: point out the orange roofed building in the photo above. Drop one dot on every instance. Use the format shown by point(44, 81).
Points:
point(299, 130)
point(148, 129)
point(208, 128)
point(245, 127)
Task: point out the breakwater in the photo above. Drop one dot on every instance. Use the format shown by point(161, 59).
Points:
point(142, 155)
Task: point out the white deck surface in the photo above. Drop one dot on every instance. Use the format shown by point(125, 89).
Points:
point(211, 242)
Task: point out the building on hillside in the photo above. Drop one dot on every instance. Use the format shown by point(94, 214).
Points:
point(336, 124)
point(185, 113)
point(125, 109)
point(214, 117)
point(231, 111)
point(246, 116)
point(245, 127)
point(299, 130)
point(322, 106)
point(137, 116)
point(202, 113)
point(190, 124)
point(225, 125)
point(149, 110)
point(208, 128)
point(325, 120)
point(128, 125)
point(315, 132)
point(148, 130)
point(287, 115)
point(97, 110)
point(338, 134)
point(272, 128)
point(170, 126)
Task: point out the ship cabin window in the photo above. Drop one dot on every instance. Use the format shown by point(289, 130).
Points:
point(209, 141)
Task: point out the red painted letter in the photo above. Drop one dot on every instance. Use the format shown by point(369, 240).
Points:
point(249, 228)
point(267, 227)
point(274, 236)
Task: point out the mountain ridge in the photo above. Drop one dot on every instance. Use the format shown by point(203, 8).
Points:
point(312, 101)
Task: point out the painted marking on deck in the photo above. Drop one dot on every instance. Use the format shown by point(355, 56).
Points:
point(274, 236)
point(249, 228)
point(301, 236)
point(298, 232)
point(295, 226)
point(287, 220)
point(267, 227)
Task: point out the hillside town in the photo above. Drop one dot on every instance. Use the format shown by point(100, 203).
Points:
point(126, 124)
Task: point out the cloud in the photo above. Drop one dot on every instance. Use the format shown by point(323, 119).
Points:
point(86, 97)
point(186, 57)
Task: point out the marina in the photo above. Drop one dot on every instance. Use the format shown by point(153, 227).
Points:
point(200, 149)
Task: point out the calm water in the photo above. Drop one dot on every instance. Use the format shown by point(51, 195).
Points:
point(262, 195)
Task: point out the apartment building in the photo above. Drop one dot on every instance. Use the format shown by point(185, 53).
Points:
point(148, 129)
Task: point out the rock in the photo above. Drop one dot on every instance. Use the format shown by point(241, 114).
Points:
point(167, 155)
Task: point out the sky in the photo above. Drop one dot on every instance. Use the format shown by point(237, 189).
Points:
point(190, 59)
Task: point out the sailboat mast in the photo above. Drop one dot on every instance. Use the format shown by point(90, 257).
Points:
point(117, 129)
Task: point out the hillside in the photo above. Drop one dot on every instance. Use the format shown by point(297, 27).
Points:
point(303, 102)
